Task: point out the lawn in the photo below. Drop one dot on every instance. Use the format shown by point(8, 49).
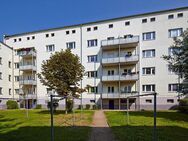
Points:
point(171, 126)
point(15, 126)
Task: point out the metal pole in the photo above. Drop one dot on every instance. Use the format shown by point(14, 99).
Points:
point(155, 118)
point(127, 111)
point(51, 112)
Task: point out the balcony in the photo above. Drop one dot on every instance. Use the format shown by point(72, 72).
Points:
point(128, 77)
point(28, 96)
point(122, 59)
point(127, 42)
point(27, 82)
point(27, 67)
point(27, 53)
point(118, 95)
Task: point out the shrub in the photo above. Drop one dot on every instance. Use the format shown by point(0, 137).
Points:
point(39, 106)
point(79, 107)
point(183, 105)
point(55, 104)
point(88, 106)
point(95, 107)
point(69, 105)
point(11, 104)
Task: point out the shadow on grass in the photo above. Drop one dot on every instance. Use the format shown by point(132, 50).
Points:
point(145, 133)
point(174, 116)
point(82, 133)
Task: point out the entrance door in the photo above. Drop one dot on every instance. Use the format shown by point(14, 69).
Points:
point(111, 104)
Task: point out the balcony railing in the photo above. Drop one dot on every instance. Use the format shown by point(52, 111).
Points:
point(27, 53)
point(118, 95)
point(27, 67)
point(128, 77)
point(118, 41)
point(132, 58)
point(27, 82)
point(28, 96)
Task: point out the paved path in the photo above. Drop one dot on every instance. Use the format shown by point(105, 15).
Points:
point(100, 128)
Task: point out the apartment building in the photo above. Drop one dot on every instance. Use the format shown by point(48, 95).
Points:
point(121, 56)
point(6, 74)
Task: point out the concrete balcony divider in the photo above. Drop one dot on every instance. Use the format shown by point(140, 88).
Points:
point(117, 41)
point(131, 77)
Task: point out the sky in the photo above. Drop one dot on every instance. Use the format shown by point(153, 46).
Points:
point(18, 16)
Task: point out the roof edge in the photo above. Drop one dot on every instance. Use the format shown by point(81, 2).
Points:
point(100, 21)
point(6, 45)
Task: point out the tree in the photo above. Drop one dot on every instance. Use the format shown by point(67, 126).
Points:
point(62, 71)
point(179, 59)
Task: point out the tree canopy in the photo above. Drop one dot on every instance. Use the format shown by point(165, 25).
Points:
point(178, 60)
point(62, 71)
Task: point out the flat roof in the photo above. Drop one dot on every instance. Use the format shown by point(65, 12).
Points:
point(94, 22)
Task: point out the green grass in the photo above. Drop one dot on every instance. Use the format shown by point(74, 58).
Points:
point(171, 126)
point(15, 126)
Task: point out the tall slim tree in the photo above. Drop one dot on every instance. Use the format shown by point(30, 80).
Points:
point(63, 72)
point(179, 58)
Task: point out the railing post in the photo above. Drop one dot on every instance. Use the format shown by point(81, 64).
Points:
point(155, 118)
point(51, 112)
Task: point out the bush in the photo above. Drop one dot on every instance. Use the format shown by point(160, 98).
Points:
point(95, 107)
point(11, 104)
point(79, 107)
point(55, 104)
point(69, 105)
point(87, 106)
point(39, 106)
point(183, 105)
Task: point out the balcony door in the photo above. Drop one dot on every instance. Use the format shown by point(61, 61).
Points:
point(111, 104)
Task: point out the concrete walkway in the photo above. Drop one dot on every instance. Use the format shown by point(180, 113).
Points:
point(100, 128)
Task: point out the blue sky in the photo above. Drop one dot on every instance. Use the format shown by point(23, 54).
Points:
point(19, 16)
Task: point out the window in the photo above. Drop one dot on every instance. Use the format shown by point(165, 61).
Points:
point(148, 100)
point(33, 37)
point(20, 39)
point(152, 19)
point(9, 64)
point(0, 61)
point(73, 31)
point(110, 25)
point(50, 48)
point(148, 71)
point(0, 75)
point(9, 91)
point(110, 38)
point(110, 89)
point(92, 58)
point(92, 43)
point(180, 15)
point(175, 32)
point(47, 35)
point(148, 53)
point(48, 90)
point(67, 32)
point(127, 89)
point(92, 74)
point(127, 23)
point(16, 65)
point(88, 29)
point(95, 28)
point(0, 90)
point(171, 70)
point(170, 100)
point(17, 91)
point(148, 88)
point(170, 16)
point(144, 20)
point(52, 34)
point(71, 45)
point(172, 87)
point(148, 36)
point(9, 77)
point(28, 38)
point(15, 40)
point(110, 72)
point(173, 50)
point(16, 78)
point(93, 89)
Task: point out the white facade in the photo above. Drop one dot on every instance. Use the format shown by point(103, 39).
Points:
point(130, 60)
point(6, 74)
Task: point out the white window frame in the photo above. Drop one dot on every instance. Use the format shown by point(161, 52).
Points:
point(50, 48)
point(92, 43)
point(71, 45)
point(92, 58)
point(149, 36)
point(172, 87)
point(148, 71)
point(92, 74)
point(148, 53)
point(148, 88)
point(175, 32)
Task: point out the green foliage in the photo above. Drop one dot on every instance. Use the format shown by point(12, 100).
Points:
point(55, 104)
point(80, 106)
point(62, 70)
point(88, 106)
point(39, 106)
point(183, 105)
point(179, 60)
point(11, 104)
